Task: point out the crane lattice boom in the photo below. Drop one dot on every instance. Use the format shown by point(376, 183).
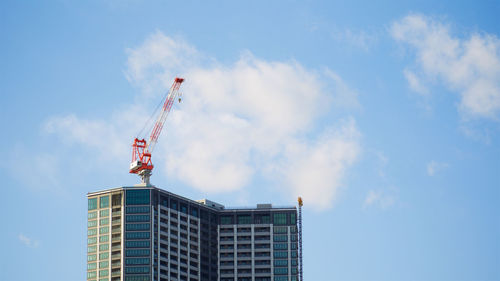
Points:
point(141, 150)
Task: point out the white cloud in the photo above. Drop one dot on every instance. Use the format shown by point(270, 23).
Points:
point(433, 167)
point(28, 242)
point(378, 198)
point(236, 121)
point(357, 38)
point(469, 66)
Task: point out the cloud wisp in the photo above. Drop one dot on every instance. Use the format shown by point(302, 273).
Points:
point(379, 199)
point(433, 167)
point(237, 121)
point(27, 241)
point(469, 66)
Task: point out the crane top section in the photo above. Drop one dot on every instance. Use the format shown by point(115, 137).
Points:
point(142, 149)
point(300, 201)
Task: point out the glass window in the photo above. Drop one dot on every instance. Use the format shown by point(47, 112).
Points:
point(103, 264)
point(173, 204)
point(184, 208)
point(226, 219)
point(104, 213)
point(280, 278)
point(104, 201)
point(164, 201)
point(262, 219)
point(280, 229)
point(137, 253)
point(92, 203)
point(137, 210)
point(104, 229)
point(294, 254)
point(244, 219)
point(194, 212)
point(137, 244)
point(103, 273)
point(280, 238)
point(104, 238)
point(104, 221)
point(280, 262)
point(280, 246)
point(92, 223)
point(137, 278)
point(92, 240)
point(293, 229)
point(136, 261)
point(280, 254)
point(293, 246)
point(137, 197)
point(103, 247)
point(91, 266)
point(293, 219)
point(116, 200)
point(281, 270)
point(91, 257)
point(137, 218)
point(92, 231)
point(91, 249)
point(138, 269)
point(137, 235)
point(103, 256)
point(91, 274)
point(280, 219)
point(92, 215)
point(137, 226)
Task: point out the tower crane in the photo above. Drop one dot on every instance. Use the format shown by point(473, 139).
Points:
point(142, 149)
point(299, 200)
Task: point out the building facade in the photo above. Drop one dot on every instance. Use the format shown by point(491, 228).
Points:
point(144, 233)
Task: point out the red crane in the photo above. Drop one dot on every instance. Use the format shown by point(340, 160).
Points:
point(141, 150)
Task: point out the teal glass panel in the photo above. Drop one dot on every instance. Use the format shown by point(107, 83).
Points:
point(293, 218)
point(280, 238)
point(226, 219)
point(92, 240)
point(91, 274)
point(294, 254)
point(137, 244)
point(104, 229)
point(137, 253)
point(136, 261)
point(104, 201)
point(137, 278)
point(92, 223)
point(103, 264)
point(104, 221)
point(103, 273)
point(280, 254)
point(103, 247)
point(280, 262)
point(137, 269)
point(103, 256)
point(104, 213)
point(137, 235)
point(137, 197)
point(280, 229)
point(280, 278)
point(91, 257)
point(104, 238)
point(137, 226)
point(281, 270)
point(91, 266)
point(244, 219)
point(92, 204)
point(92, 215)
point(91, 249)
point(280, 219)
point(92, 231)
point(137, 218)
point(137, 210)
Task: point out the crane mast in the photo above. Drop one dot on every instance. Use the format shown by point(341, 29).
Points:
point(142, 149)
point(300, 239)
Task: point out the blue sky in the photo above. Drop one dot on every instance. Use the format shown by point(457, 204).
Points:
point(383, 116)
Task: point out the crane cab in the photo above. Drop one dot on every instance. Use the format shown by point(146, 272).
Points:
point(135, 165)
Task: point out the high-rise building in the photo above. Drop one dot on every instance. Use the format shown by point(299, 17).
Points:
point(144, 233)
